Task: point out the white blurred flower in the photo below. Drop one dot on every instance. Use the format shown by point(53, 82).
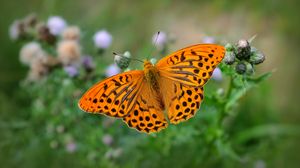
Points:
point(217, 74)
point(56, 25)
point(208, 40)
point(71, 33)
point(102, 39)
point(71, 147)
point(30, 52)
point(69, 52)
point(160, 40)
point(107, 139)
point(112, 70)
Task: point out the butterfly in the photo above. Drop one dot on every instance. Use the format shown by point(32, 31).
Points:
point(140, 97)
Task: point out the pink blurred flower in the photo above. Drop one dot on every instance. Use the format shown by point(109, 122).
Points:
point(107, 139)
point(208, 40)
point(71, 70)
point(71, 147)
point(112, 70)
point(160, 40)
point(102, 39)
point(56, 24)
point(217, 74)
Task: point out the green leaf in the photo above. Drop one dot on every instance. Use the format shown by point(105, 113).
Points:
point(267, 130)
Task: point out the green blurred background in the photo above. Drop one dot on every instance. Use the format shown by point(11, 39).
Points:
point(132, 23)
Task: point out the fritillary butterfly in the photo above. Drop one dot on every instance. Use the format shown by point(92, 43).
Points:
point(140, 97)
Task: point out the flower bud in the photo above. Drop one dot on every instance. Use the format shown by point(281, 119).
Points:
point(249, 68)
point(256, 57)
point(240, 68)
point(243, 50)
point(123, 60)
point(44, 34)
point(229, 47)
point(229, 57)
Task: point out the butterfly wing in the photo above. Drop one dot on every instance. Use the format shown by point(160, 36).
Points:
point(147, 114)
point(183, 75)
point(192, 65)
point(114, 96)
point(126, 96)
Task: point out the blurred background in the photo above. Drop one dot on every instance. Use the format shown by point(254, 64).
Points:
point(24, 140)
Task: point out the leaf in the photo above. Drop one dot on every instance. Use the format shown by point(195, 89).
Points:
point(266, 131)
point(236, 93)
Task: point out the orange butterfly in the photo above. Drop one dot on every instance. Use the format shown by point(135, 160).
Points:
point(174, 84)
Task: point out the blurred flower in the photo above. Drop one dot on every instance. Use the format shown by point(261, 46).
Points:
point(38, 70)
point(16, 30)
point(107, 139)
point(112, 70)
point(87, 62)
point(30, 52)
point(56, 25)
point(69, 52)
point(102, 39)
point(71, 146)
point(217, 74)
point(260, 164)
point(53, 144)
point(208, 40)
point(113, 153)
point(123, 60)
point(71, 70)
point(160, 40)
point(43, 33)
point(30, 20)
point(243, 50)
point(71, 33)
point(60, 129)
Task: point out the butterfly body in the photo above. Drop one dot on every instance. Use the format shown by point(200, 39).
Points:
point(171, 89)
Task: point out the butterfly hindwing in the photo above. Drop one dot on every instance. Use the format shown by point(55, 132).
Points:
point(192, 65)
point(114, 96)
point(147, 114)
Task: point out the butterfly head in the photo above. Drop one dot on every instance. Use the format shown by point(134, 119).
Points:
point(148, 65)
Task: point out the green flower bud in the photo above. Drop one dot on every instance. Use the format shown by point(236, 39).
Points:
point(256, 57)
point(241, 68)
point(229, 47)
point(229, 57)
point(243, 50)
point(249, 68)
point(123, 60)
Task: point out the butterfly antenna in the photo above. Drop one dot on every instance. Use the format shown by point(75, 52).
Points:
point(121, 55)
point(155, 42)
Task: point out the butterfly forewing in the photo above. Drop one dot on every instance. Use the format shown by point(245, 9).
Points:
point(114, 96)
point(192, 65)
point(182, 77)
